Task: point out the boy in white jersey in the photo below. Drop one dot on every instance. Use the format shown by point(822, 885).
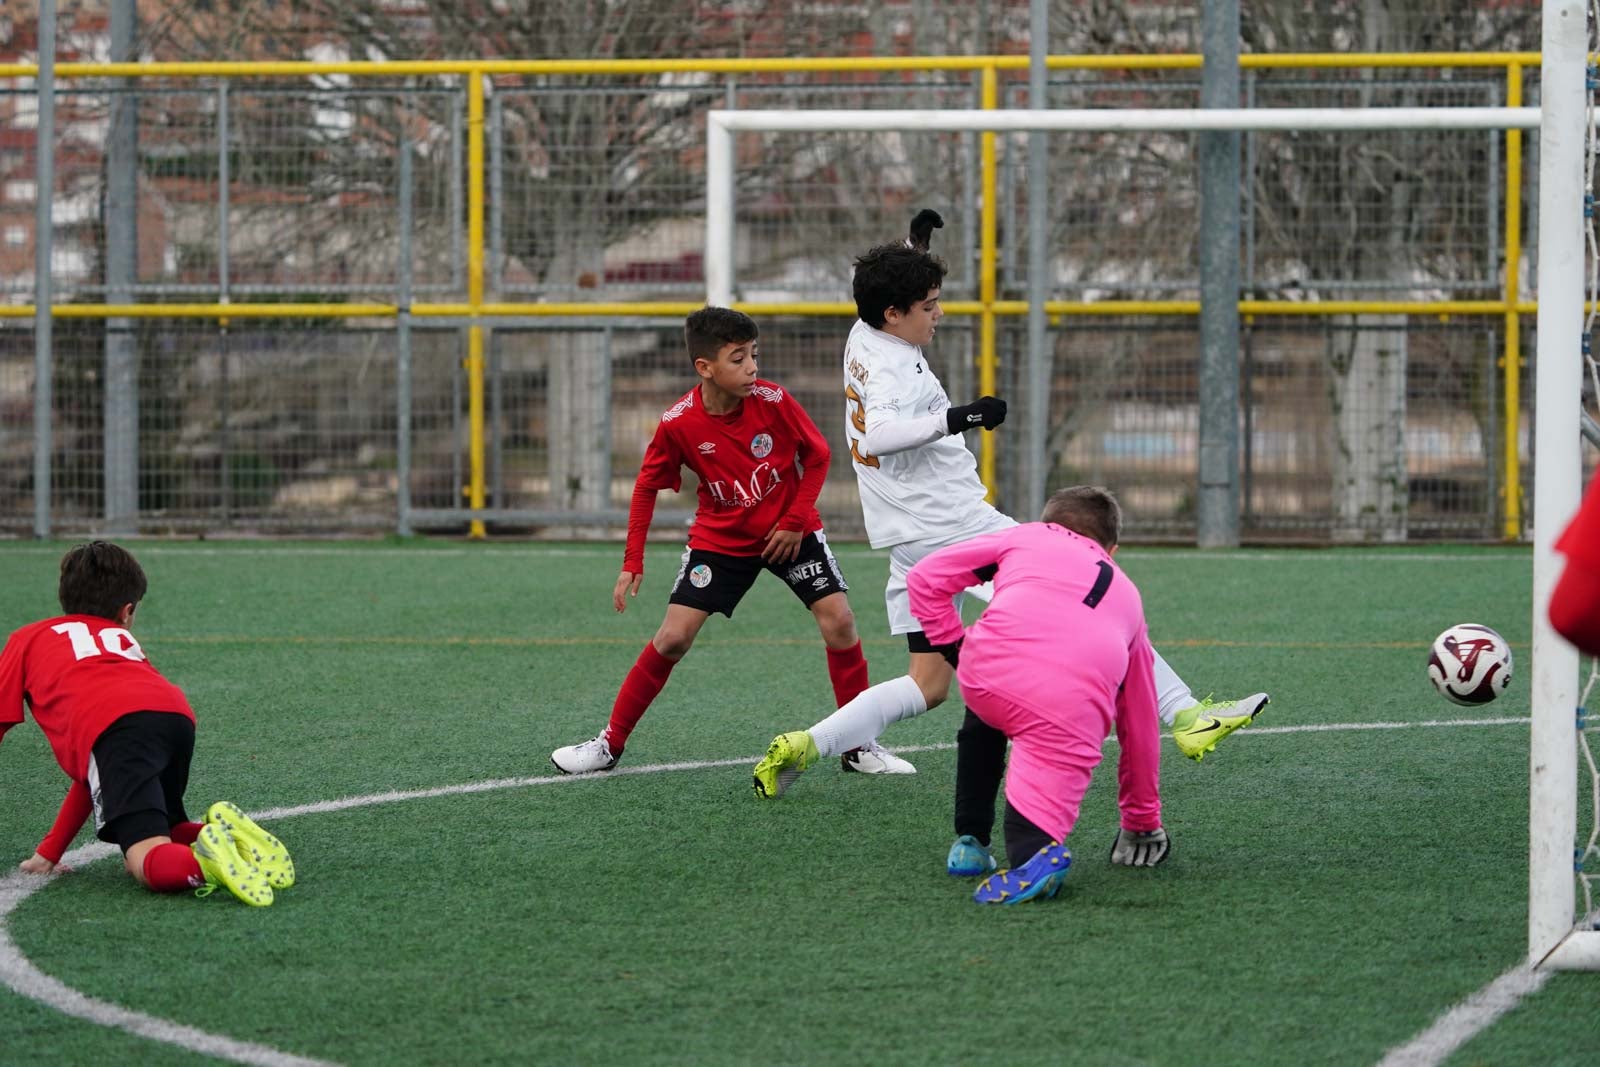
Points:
point(920, 491)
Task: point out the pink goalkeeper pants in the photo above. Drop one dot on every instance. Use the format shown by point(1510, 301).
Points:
point(1052, 758)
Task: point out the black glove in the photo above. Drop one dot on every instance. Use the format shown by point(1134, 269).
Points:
point(986, 411)
point(1140, 848)
point(922, 228)
point(951, 652)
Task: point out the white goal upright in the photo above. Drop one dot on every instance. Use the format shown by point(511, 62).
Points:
point(1556, 936)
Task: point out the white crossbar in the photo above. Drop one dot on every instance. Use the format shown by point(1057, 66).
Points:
point(1128, 119)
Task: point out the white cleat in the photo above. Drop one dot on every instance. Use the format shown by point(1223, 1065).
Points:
point(584, 757)
point(873, 758)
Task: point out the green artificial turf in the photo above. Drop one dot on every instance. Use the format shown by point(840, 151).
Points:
point(1329, 895)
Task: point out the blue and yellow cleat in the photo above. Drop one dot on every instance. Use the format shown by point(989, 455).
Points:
point(1197, 729)
point(1040, 877)
point(969, 859)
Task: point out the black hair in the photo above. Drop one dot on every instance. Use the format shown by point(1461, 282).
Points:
point(1089, 510)
point(893, 276)
point(98, 578)
point(706, 331)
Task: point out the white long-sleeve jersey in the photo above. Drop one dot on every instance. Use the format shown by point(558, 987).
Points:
point(916, 481)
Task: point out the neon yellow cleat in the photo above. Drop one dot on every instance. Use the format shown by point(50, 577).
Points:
point(787, 756)
point(1197, 729)
point(254, 843)
point(221, 864)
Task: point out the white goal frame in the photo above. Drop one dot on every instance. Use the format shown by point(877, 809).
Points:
point(1553, 941)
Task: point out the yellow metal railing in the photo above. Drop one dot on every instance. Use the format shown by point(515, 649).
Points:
point(987, 307)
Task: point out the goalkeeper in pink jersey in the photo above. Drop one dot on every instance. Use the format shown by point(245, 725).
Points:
point(1060, 655)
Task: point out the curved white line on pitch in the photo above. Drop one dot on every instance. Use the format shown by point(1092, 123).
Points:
point(34, 984)
point(23, 978)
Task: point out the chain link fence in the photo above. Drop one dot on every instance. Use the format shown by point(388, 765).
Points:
point(334, 190)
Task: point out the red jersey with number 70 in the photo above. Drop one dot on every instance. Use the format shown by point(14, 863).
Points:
point(79, 674)
point(761, 466)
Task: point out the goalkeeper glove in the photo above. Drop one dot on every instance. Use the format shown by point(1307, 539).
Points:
point(922, 228)
point(986, 411)
point(951, 652)
point(1140, 848)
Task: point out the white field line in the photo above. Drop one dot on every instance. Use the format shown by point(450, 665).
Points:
point(22, 977)
point(1466, 1020)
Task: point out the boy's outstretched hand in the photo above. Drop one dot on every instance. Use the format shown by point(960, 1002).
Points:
point(1140, 848)
point(627, 586)
point(37, 864)
point(783, 546)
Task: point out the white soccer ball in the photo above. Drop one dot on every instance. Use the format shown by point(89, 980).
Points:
point(1470, 664)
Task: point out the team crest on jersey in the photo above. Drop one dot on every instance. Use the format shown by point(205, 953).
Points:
point(700, 576)
point(761, 445)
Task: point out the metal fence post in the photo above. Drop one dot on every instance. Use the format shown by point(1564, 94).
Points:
point(402, 373)
point(120, 395)
point(43, 360)
point(1217, 512)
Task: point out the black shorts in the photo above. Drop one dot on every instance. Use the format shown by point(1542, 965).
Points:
point(138, 772)
point(714, 582)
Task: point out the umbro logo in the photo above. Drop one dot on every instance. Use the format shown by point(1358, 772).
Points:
point(707, 447)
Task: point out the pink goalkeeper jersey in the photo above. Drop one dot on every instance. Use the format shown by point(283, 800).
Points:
point(1064, 635)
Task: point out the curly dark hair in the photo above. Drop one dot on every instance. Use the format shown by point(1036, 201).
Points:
point(893, 276)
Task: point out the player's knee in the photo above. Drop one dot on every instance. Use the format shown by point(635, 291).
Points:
point(836, 621)
point(673, 644)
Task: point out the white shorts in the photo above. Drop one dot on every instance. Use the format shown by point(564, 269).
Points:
point(903, 557)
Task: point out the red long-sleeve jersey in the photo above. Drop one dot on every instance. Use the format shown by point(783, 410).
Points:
point(761, 466)
point(78, 674)
point(1575, 600)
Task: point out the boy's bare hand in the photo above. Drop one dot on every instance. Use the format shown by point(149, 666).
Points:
point(782, 545)
point(37, 864)
point(627, 582)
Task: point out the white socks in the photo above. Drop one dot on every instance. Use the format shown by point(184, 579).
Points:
point(865, 717)
point(1172, 694)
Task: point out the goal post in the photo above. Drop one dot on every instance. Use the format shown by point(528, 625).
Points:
point(1554, 940)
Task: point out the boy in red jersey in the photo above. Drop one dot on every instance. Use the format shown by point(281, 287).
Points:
point(1575, 600)
point(125, 735)
point(761, 462)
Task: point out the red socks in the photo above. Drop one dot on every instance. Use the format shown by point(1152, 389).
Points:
point(185, 832)
point(644, 683)
point(172, 868)
point(847, 670)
